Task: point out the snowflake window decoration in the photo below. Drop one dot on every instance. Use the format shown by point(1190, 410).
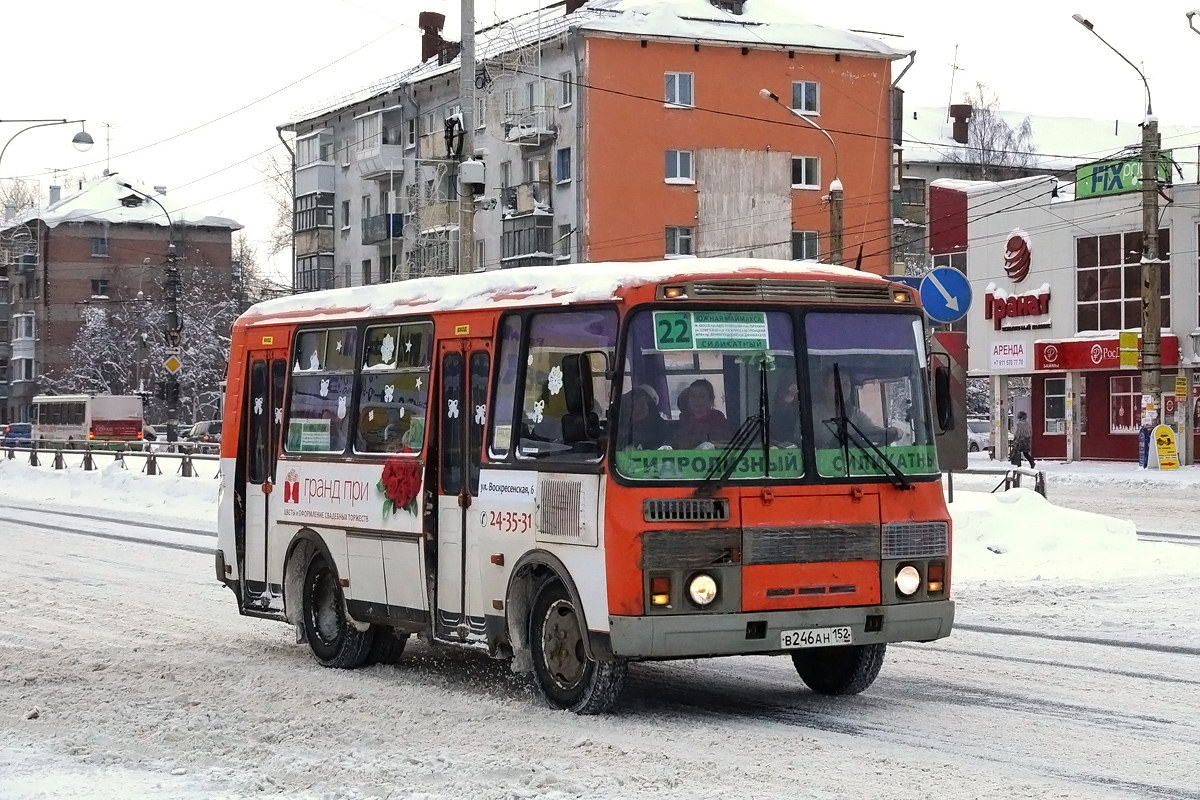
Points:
point(258, 405)
point(538, 413)
point(279, 415)
point(555, 380)
point(387, 349)
point(389, 392)
point(452, 409)
point(480, 414)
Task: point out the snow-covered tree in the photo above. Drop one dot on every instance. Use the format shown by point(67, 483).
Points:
point(997, 150)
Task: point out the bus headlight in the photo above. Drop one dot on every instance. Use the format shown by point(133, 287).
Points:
point(702, 589)
point(908, 580)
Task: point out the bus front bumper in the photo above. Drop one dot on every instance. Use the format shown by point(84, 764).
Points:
point(696, 635)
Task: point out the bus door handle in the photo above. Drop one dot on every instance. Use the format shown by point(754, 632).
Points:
point(268, 487)
point(464, 499)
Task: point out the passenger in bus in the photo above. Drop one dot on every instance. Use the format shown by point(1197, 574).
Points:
point(785, 416)
point(825, 418)
point(645, 428)
point(699, 422)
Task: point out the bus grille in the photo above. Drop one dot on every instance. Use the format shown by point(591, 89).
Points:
point(559, 509)
point(810, 544)
point(689, 549)
point(816, 291)
point(685, 510)
point(915, 539)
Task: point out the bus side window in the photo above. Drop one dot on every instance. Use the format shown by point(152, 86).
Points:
point(258, 423)
point(505, 397)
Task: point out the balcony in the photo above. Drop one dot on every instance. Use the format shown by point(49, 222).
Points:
point(315, 177)
point(531, 127)
point(381, 162)
point(382, 227)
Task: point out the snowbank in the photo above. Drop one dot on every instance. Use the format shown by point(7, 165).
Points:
point(111, 487)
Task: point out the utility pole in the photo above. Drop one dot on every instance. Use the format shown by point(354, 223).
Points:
point(1151, 277)
point(173, 340)
point(835, 222)
point(466, 194)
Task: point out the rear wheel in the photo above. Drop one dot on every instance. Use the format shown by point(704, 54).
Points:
point(566, 676)
point(974, 448)
point(333, 638)
point(839, 670)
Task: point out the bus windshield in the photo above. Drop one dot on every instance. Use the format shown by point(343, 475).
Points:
point(702, 389)
point(878, 424)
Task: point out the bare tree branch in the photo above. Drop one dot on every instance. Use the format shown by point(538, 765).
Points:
point(996, 149)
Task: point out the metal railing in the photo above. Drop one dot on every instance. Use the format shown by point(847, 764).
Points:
point(1010, 477)
point(56, 453)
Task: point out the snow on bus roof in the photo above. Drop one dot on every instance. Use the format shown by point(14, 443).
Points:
point(525, 286)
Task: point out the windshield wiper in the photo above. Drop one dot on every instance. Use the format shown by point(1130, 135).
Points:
point(753, 426)
point(844, 423)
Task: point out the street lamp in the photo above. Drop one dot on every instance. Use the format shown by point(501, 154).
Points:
point(1151, 279)
point(1191, 24)
point(174, 336)
point(835, 186)
point(81, 140)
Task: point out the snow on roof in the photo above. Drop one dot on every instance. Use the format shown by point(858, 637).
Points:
point(762, 23)
point(101, 201)
point(525, 286)
point(982, 187)
point(1061, 143)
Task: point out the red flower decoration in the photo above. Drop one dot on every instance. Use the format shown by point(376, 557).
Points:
point(400, 484)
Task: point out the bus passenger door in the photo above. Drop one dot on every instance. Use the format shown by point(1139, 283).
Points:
point(262, 419)
point(465, 365)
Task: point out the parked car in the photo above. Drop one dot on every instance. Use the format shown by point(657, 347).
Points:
point(979, 435)
point(17, 434)
point(204, 436)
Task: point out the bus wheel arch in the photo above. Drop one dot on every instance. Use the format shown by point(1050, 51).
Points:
point(306, 544)
point(527, 576)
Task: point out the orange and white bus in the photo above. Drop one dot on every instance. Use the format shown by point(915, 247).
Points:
point(579, 467)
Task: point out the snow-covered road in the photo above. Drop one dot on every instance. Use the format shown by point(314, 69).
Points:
point(143, 682)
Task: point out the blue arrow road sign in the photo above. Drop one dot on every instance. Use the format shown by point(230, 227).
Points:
point(945, 294)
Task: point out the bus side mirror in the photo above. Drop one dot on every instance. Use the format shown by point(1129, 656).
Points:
point(941, 398)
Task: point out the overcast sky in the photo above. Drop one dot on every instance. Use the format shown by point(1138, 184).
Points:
point(194, 91)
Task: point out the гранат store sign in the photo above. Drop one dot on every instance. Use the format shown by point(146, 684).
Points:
point(1117, 177)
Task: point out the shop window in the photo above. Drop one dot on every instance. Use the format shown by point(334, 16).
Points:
point(393, 397)
point(1125, 403)
point(321, 391)
point(1055, 391)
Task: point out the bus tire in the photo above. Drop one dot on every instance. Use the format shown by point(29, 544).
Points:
point(387, 645)
point(839, 670)
point(334, 640)
point(565, 675)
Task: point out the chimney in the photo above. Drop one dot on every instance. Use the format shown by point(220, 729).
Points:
point(55, 194)
point(430, 23)
point(160, 190)
point(961, 114)
point(575, 5)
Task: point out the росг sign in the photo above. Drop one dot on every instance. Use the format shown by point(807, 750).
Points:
point(1117, 177)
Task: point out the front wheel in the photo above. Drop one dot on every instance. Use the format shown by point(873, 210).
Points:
point(839, 670)
point(974, 448)
point(333, 638)
point(566, 677)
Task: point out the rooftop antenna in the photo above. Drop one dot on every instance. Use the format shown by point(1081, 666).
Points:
point(107, 148)
point(954, 68)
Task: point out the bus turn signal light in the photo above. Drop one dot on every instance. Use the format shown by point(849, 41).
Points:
point(673, 292)
point(900, 297)
point(937, 576)
point(660, 590)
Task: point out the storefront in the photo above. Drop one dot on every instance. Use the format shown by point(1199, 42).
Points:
point(1054, 283)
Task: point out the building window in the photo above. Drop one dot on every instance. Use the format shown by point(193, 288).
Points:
point(806, 172)
point(314, 272)
point(480, 256)
point(312, 211)
point(99, 287)
point(563, 164)
point(679, 166)
point(535, 95)
point(1125, 404)
point(431, 124)
point(912, 192)
point(365, 207)
point(566, 83)
point(734, 7)
point(956, 260)
point(804, 245)
point(679, 89)
point(509, 102)
point(805, 97)
point(1109, 281)
point(526, 241)
point(1055, 405)
point(345, 215)
point(562, 244)
point(347, 150)
point(21, 369)
point(23, 326)
point(100, 246)
point(386, 263)
point(412, 133)
point(368, 130)
point(679, 241)
point(366, 271)
point(480, 113)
